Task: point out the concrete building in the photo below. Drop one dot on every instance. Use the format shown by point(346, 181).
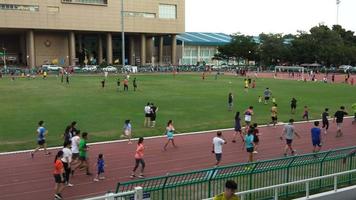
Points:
point(194, 47)
point(68, 32)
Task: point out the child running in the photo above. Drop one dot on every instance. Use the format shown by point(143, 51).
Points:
point(127, 131)
point(41, 139)
point(237, 127)
point(139, 159)
point(58, 175)
point(218, 142)
point(306, 113)
point(100, 168)
point(316, 137)
point(288, 133)
point(325, 120)
point(169, 132)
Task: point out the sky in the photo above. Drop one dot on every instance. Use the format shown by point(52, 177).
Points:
point(252, 17)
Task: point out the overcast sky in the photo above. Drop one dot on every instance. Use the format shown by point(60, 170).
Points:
point(252, 17)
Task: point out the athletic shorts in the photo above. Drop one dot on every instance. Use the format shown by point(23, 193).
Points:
point(274, 118)
point(100, 170)
point(326, 125)
point(218, 156)
point(75, 156)
point(250, 150)
point(57, 178)
point(153, 118)
point(288, 141)
point(147, 115)
point(338, 125)
point(293, 106)
point(256, 139)
point(41, 142)
point(316, 143)
point(266, 98)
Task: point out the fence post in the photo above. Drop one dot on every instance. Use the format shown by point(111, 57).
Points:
point(307, 189)
point(164, 186)
point(335, 183)
point(138, 193)
point(350, 165)
point(288, 167)
point(117, 187)
point(209, 182)
point(251, 174)
point(276, 193)
point(322, 167)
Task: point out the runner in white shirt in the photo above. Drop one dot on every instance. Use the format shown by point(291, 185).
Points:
point(75, 150)
point(218, 141)
point(147, 115)
point(66, 160)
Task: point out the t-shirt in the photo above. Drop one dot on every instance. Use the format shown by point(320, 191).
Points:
point(218, 142)
point(267, 93)
point(101, 164)
point(294, 102)
point(339, 115)
point(127, 127)
point(274, 111)
point(58, 167)
point(147, 109)
point(82, 148)
point(67, 155)
point(222, 197)
point(324, 116)
point(153, 110)
point(230, 99)
point(41, 133)
point(248, 115)
point(315, 134)
point(289, 131)
point(139, 151)
point(249, 141)
point(75, 144)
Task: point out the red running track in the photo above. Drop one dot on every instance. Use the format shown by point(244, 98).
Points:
point(23, 178)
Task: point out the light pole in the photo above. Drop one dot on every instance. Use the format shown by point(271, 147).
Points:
point(337, 11)
point(122, 34)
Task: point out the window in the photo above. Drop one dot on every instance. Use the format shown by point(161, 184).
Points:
point(167, 11)
point(31, 8)
point(92, 2)
point(139, 14)
point(53, 9)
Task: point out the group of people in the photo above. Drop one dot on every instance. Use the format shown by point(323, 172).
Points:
point(150, 115)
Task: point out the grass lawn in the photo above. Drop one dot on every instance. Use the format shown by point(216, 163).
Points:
point(192, 103)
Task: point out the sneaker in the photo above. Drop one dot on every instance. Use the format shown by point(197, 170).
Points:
point(48, 153)
point(141, 176)
point(70, 185)
point(254, 152)
point(132, 176)
point(285, 155)
point(101, 178)
point(56, 196)
point(96, 180)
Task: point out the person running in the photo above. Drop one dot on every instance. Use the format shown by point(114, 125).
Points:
point(267, 94)
point(58, 174)
point(274, 116)
point(100, 168)
point(169, 132)
point(325, 120)
point(259, 99)
point(237, 127)
point(354, 109)
point(118, 84)
point(248, 117)
point(230, 101)
point(288, 133)
point(67, 160)
point(83, 154)
point(103, 83)
point(127, 131)
point(339, 118)
point(75, 149)
point(316, 137)
point(293, 105)
point(256, 138)
point(67, 77)
point(153, 115)
point(134, 83)
point(249, 144)
point(126, 84)
point(41, 139)
point(218, 142)
point(306, 113)
point(139, 159)
point(229, 193)
point(69, 132)
point(147, 111)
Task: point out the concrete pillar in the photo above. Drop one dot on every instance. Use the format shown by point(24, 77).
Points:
point(132, 50)
point(160, 50)
point(100, 49)
point(23, 48)
point(80, 42)
point(71, 48)
point(149, 49)
point(109, 48)
point(174, 50)
point(30, 44)
point(143, 49)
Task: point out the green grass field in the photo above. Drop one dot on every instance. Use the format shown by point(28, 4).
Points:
point(192, 103)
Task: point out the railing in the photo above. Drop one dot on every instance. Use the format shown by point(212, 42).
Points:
point(136, 194)
point(275, 188)
point(209, 182)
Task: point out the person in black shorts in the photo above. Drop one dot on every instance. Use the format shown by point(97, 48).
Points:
point(293, 105)
point(256, 139)
point(324, 117)
point(153, 115)
point(339, 118)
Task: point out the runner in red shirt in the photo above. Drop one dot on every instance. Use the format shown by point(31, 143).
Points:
point(139, 158)
point(58, 174)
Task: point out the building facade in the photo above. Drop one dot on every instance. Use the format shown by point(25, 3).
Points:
point(71, 32)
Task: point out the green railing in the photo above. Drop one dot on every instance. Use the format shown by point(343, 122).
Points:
point(209, 182)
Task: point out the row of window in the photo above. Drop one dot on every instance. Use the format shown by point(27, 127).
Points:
point(100, 2)
point(31, 8)
point(140, 14)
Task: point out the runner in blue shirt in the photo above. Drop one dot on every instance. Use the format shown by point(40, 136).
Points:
point(316, 137)
point(41, 139)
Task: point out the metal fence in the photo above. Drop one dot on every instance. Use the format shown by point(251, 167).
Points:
point(209, 182)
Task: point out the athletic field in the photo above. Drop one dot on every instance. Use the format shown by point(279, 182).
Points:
point(193, 104)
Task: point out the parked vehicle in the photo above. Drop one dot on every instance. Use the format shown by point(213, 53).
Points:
point(51, 67)
point(110, 69)
point(90, 68)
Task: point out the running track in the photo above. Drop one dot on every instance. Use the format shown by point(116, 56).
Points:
point(24, 178)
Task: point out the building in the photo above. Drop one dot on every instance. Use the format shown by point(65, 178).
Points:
point(198, 47)
point(68, 32)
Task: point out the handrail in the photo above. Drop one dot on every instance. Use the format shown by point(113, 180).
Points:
point(137, 191)
point(275, 187)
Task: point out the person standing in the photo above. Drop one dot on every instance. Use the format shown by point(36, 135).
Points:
point(229, 193)
point(354, 109)
point(288, 133)
point(267, 94)
point(249, 144)
point(153, 115)
point(325, 120)
point(293, 105)
point(58, 174)
point(67, 77)
point(75, 149)
point(126, 84)
point(118, 84)
point(127, 131)
point(248, 117)
point(218, 142)
point(134, 83)
point(103, 83)
point(246, 85)
point(139, 159)
point(339, 118)
point(237, 127)
point(316, 137)
point(230, 101)
point(41, 139)
point(256, 138)
point(66, 160)
point(306, 113)
point(274, 116)
point(147, 111)
point(100, 168)
point(170, 134)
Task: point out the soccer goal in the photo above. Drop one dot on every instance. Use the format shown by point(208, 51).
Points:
point(290, 70)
